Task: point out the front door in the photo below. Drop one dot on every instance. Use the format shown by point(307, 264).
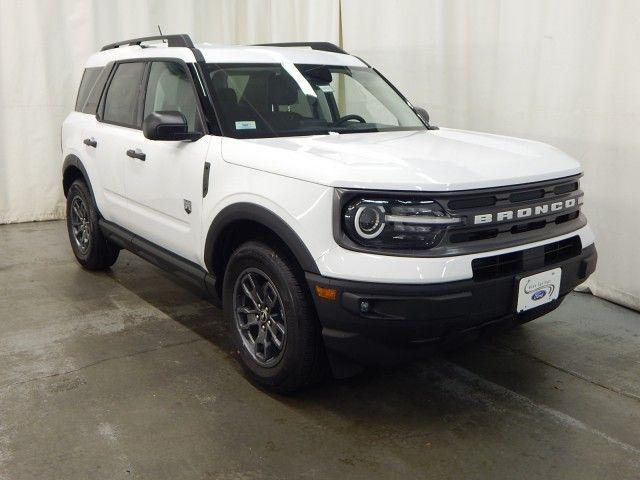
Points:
point(164, 190)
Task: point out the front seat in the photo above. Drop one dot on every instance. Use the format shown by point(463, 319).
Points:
point(282, 91)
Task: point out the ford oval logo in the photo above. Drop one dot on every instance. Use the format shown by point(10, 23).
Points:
point(537, 295)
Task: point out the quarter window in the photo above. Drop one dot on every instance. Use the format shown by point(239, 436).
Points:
point(91, 104)
point(170, 89)
point(86, 86)
point(121, 103)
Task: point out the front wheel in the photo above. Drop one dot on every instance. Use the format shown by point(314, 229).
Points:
point(271, 318)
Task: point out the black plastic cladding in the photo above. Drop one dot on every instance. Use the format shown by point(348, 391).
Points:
point(504, 236)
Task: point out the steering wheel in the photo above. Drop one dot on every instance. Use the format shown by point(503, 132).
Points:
point(346, 118)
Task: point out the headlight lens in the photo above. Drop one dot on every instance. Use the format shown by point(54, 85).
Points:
point(368, 221)
point(395, 223)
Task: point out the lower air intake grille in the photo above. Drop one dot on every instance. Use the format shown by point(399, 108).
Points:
point(562, 250)
point(525, 260)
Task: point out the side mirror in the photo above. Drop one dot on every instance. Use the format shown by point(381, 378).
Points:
point(168, 125)
point(424, 115)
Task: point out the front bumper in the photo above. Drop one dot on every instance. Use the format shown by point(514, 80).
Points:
point(405, 322)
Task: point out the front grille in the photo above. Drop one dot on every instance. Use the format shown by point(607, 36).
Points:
point(567, 217)
point(464, 203)
point(525, 260)
point(566, 188)
point(526, 196)
point(502, 231)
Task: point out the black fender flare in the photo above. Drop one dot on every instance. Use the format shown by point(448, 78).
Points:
point(73, 161)
point(256, 213)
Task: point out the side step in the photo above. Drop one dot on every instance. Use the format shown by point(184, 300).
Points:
point(162, 258)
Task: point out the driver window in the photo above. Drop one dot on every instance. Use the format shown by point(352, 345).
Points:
point(169, 89)
point(352, 98)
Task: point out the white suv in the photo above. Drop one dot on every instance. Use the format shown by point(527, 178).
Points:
point(334, 225)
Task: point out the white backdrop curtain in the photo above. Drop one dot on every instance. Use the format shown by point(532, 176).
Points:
point(43, 47)
point(562, 72)
point(566, 73)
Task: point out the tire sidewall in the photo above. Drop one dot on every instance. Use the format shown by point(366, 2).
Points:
point(79, 189)
point(260, 256)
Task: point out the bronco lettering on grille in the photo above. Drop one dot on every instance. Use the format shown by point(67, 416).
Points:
point(525, 212)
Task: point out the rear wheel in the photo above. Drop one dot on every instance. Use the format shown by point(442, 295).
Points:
point(92, 250)
point(271, 318)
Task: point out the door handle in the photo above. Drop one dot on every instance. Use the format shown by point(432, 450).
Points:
point(136, 154)
point(90, 142)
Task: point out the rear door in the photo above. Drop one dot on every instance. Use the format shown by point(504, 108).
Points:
point(164, 191)
point(117, 129)
point(87, 127)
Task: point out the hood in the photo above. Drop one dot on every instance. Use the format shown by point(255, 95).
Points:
point(436, 160)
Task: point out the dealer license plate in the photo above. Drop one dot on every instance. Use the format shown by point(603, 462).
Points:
point(538, 289)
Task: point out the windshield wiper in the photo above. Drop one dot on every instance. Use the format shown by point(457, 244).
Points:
point(355, 130)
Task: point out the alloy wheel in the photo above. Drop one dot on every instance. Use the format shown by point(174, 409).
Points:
point(259, 317)
point(80, 224)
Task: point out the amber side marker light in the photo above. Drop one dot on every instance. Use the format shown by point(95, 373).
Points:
point(326, 293)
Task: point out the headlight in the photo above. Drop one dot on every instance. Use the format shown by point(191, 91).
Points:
point(395, 223)
point(369, 220)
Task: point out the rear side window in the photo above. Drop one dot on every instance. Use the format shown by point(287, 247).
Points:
point(87, 84)
point(121, 102)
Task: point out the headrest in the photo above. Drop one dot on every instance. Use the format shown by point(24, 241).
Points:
point(283, 90)
point(227, 95)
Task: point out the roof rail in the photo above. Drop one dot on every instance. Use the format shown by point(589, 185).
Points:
point(324, 46)
point(180, 40)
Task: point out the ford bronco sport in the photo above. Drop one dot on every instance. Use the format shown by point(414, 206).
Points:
point(297, 186)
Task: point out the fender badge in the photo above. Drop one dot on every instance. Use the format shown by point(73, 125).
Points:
point(187, 206)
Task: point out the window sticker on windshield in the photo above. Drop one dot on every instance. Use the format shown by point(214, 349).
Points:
point(246, 125)
point(326, 88)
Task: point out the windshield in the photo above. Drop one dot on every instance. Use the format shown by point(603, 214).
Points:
point(274, 100)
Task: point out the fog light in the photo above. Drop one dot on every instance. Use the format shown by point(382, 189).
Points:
point(365, 306)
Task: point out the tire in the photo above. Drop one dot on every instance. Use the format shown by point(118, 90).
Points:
point(92, 250)
point(300, 361)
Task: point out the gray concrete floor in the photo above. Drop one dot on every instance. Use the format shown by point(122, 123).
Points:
point(128, 374)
